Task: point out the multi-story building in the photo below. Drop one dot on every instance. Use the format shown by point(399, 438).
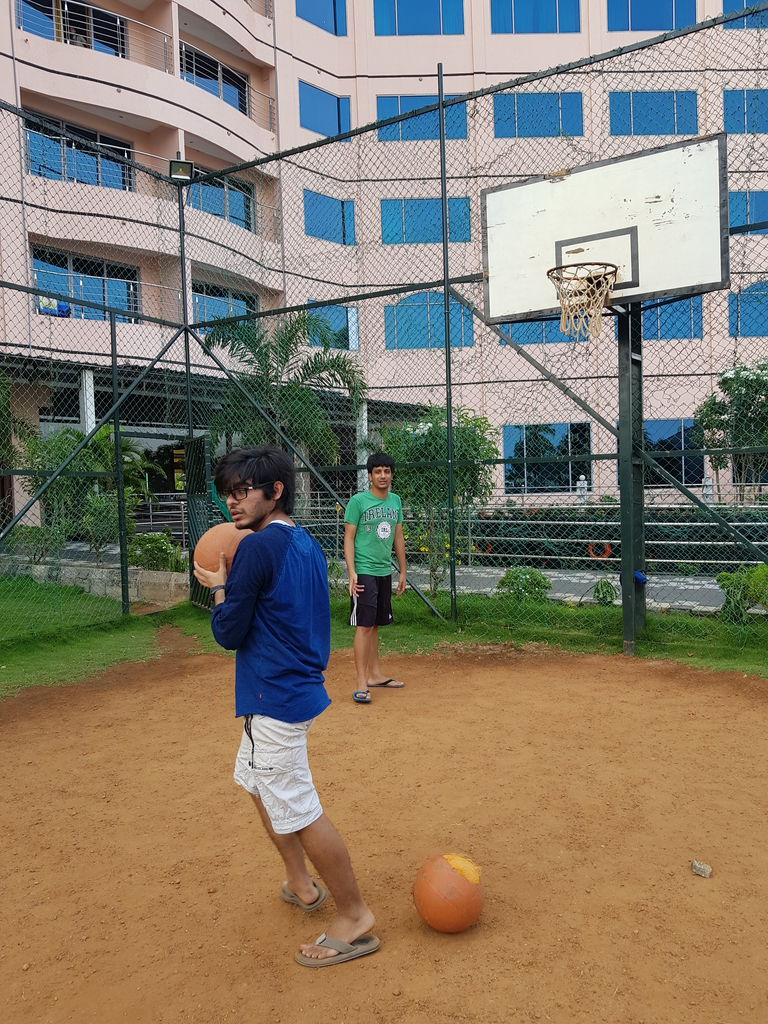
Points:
point(221, 84)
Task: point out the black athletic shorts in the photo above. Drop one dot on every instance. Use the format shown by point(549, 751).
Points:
point(374, 606)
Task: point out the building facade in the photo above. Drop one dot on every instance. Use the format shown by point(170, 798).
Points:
point(224, 84)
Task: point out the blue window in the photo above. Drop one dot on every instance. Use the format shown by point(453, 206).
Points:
point(539, 332)
point(341, 324)
point(746, 208)
point(82, 277)
point(533, 445)
point(421, 220)
point(537, 115)
point(211, 302)
point(322, 112)
point(418, 321)
point(65, 152)
point(330, 15)
point(650, 15)
point(227, 198)
point(673, 320)
point(677, 435)
point(427, 126)
point(745, 111)
point(328, 218)
point(75, 24)
point(753, 21)
point(534, 16)
point(418, 17)
point(653, 113)
point(748, 312)
point(670, 321)
point(209, 74)
point(37, 17)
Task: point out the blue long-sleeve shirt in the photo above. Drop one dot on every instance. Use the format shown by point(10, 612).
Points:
point(277, 617)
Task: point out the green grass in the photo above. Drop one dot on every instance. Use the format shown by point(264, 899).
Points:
point(702, 641)
point(31, 610)
point(706, 642)
point(192, 622)
point(75, 655)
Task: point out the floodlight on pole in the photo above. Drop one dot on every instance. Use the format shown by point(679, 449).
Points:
point(181, 171)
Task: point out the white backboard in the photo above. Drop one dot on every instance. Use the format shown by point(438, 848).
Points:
point(660, 215)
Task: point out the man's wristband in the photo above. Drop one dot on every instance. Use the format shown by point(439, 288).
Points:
point(219, 586)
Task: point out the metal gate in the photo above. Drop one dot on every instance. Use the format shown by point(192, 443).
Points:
point(202, 510)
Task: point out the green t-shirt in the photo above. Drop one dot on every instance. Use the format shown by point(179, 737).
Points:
point(375, 519)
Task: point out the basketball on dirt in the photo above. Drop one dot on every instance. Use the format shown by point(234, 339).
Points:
point(448, 892)
point(224, 537)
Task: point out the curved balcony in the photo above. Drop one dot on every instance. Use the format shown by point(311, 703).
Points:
point(75, 24)
point(230, 85)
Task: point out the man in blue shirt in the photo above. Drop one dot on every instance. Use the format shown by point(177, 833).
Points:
point(273, 609)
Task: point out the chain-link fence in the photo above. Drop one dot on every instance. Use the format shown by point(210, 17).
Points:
point(301, 299)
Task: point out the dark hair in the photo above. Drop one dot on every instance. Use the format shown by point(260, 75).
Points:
point(379, 459)
point(263, 465)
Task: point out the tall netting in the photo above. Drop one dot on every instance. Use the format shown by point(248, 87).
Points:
point(314, 286)
point(89, 238)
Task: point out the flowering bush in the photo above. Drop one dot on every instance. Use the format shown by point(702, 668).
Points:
point(523, 584)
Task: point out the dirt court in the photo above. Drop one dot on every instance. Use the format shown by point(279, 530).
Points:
point(136, 885)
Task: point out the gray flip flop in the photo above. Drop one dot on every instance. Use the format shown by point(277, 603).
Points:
point(290, 897)
point(346, 950)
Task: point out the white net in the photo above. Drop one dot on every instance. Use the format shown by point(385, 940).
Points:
point(584, 290)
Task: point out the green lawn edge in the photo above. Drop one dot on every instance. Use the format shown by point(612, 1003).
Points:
point(703, 642)
point(77, 655)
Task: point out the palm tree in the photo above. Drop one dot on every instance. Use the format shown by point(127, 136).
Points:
point(285, 380)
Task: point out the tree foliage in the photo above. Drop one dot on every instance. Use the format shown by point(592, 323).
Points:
point(426, 442)
point(737, 417)
point(420, 451)
point(274, 367)
point(79, 506)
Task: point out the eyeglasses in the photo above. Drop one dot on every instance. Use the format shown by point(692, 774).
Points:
point(241, 493)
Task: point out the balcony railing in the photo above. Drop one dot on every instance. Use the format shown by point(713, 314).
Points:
point(263, 7)
point(230, 85)
point(81, 25)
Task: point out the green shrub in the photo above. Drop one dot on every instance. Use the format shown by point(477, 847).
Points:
point(743, 590)
point(687, 568)
point(37, 543)
point(336, 585)
point(101, 522)
point(523, 584)
point(156, 551)
point(604, 593)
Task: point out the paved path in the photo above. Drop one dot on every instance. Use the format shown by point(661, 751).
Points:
point(686, 593)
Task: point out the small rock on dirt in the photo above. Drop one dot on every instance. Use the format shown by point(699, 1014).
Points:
point(698, 867)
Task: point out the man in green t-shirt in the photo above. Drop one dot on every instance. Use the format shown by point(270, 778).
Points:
point(373, 522)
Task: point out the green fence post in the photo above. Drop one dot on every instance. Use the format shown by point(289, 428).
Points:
point(631, 490)
point(121, 518)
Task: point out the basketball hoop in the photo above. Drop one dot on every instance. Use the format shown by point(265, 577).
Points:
point(584, 290)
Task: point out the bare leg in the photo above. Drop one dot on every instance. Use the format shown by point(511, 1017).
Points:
point(325, 848)
point(361, 648)
point(290, 849)
point(375, 675)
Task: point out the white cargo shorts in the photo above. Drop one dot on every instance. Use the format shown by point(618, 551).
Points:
point(272, 764)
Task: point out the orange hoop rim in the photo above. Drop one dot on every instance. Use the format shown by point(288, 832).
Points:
point(555, 274)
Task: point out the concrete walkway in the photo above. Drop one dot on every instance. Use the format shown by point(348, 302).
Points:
point(684, 593)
